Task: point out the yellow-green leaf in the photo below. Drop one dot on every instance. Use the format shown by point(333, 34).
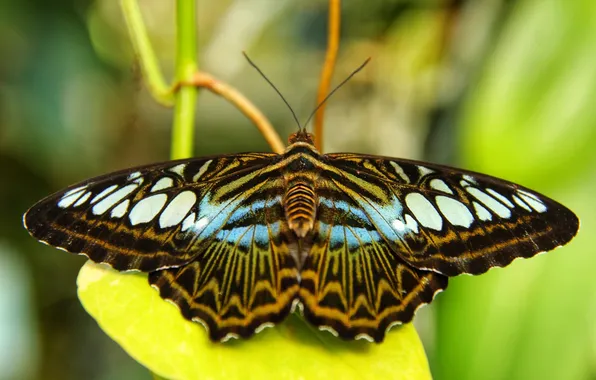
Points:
point(154, 333)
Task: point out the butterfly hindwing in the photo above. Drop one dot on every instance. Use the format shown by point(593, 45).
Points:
point(351, 280)
point(448, 220)
point(245, 278)
point(140, 218)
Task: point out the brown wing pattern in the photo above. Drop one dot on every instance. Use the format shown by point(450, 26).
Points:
point(246, 278)
point(216, 223)
point(448, 220)
point(141, 218)
point(352, 283)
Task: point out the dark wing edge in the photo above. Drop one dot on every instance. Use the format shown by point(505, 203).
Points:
point(503, 221)
point(93, 217)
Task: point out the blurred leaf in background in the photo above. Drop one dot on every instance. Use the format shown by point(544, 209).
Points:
point(502, 87)
point(530, 118)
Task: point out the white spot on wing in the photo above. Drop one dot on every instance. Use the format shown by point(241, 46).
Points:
point(105, 192)
point(532, 201)
point(120, 210)
point(112, 199)
point(297, 306)
point(178, 169)
point(147, 208)
point(501, 197)
point(521, 203)
point(411, 223)
point(197, 226)
point(424, 171)
point(440, 185)
point(456, 212)
point(83, 199)
point(163, 183)
point(398, 225)
point(70, 199)
point(202, 170)
point(490, 202)
point(188, 222)
point(424, 211)
point(329, 329)
point(263, 327)
point(194, 319)
point(72, 191)
point(134, 175)
point(177, 209)
point(364, 336)
point(482, 213)
point(229, 336)
point(520, 192)
point(400, 172)
point(470, 179)
point(201, 223)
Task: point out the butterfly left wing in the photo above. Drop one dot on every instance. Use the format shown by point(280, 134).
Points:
point(141, 218)
point(448, 220)
point(211, 231)
point(352, 282)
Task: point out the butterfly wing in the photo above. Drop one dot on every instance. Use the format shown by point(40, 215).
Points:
point(352, 283)
point(212, 231)
point(246, 278)
point(145, 218)
point(448, 220)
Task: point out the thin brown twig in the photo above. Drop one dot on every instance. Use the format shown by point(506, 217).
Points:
point(201, 79)
point(451, 16)
point(333, 31)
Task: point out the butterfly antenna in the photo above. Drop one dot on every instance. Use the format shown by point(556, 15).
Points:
point(337, 88)
point(275, 88)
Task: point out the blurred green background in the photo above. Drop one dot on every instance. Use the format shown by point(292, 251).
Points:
point(503, 87)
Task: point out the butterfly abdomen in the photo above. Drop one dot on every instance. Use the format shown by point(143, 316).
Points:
point(300, 206)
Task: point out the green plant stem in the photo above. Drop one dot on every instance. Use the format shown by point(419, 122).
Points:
point(186, 66)
point(157, 85)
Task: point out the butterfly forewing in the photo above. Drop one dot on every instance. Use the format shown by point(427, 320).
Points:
point(448, 220)
point(142, 218)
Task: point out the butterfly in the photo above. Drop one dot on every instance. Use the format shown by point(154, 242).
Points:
point(357, 243)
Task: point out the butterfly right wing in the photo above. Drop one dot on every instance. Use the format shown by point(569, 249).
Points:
point(151, 217)
point(449, 220)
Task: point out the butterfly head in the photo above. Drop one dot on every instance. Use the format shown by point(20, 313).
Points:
point(301, 136)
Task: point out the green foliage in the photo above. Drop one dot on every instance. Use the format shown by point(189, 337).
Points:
point(534, 102)
point(531, 119)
